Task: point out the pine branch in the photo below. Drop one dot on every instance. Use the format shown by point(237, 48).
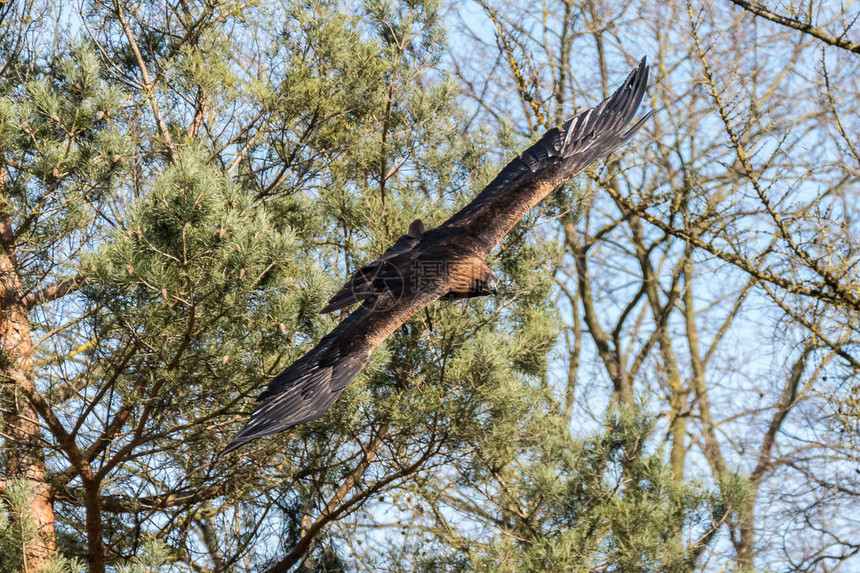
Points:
point(148, 83)
point(54, 291)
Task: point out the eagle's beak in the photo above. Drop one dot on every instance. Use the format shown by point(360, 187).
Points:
point(493, 284)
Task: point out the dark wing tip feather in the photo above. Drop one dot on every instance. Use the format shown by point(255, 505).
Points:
point(637, 125)
point(307, 388)
point(598, 130)
point(341, 299)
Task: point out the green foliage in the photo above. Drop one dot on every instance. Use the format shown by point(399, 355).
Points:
point(64, 149)
point(607, 501)
point(152, 555)
point(16, 525)
point(17, 529)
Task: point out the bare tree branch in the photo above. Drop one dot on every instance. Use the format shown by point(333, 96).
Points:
point(760, 10)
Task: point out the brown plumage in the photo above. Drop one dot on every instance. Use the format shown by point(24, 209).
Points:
point(473, 279)
point(446, 262)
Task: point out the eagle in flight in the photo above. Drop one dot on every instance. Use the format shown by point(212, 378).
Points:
point(446, 262)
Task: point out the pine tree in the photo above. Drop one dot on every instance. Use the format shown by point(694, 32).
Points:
point(59, 154)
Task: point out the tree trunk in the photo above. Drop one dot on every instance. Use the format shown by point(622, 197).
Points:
point(24, 454)
point(746, 545)
point(96, 551)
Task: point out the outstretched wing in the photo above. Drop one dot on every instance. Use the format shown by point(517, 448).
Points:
point(306, 389)
point(560, 154)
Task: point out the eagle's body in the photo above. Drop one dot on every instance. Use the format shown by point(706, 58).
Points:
point(415, 260)
point(446, 262)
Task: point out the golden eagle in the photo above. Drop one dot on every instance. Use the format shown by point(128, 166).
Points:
point(446, 262)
